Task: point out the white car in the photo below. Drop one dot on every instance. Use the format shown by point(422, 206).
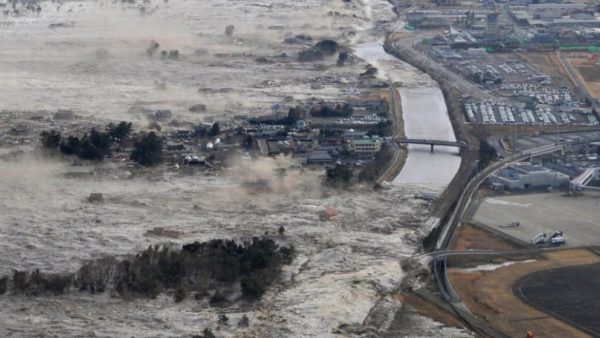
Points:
point(557, 238)
point(539, 239)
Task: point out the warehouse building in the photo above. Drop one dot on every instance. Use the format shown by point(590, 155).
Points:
point(523, 176)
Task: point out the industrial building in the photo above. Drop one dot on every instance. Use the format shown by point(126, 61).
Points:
point(445, 18)
point(548, 15)
point(523, 176)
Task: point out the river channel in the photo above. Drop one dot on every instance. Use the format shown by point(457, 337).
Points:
point(425, 116)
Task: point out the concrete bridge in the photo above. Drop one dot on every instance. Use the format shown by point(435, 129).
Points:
point(432, 143)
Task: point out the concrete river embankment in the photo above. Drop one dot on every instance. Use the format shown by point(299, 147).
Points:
point(425, 116)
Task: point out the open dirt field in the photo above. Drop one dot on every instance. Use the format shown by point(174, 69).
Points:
point(472, 237)
point(489, 294)
point(549, 64)
point(589, 72)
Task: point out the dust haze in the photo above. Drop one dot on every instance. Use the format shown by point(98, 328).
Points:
point(90, 57)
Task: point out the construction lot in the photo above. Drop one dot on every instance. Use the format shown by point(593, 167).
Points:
point(589, 70)
point(577, 217)
point(562, 291)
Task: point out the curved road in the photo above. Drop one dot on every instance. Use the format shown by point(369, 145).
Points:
point(440, 263)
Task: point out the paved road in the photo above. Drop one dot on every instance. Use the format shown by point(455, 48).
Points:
point(398, 130)
point(447, 233)
point(406, 47)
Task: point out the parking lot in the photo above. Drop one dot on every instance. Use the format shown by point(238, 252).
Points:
point(577, 217)
point(489, 112)
point(525, 95)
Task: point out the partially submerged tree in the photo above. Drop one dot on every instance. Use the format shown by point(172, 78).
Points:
point(375, 168)
point(244, 321)
point(487, 153)
point(120, 131)
point(215, 130)
point(207, 333)
point(95, 147)
point(229, 30)
point(220, 265)
point(153, 48)
point(50, 139)
point(148, 150)
point(339, 175)
point(70, 146)
point(294, 115)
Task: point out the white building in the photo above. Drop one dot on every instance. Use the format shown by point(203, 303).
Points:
point(365, 147)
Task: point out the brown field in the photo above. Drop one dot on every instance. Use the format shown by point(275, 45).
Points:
point(489, 295)
point(590, 73)
point(548, 63)
point(473, 237)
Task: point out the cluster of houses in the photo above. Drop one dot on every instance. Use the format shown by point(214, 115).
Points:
point(346, 145)
point(311, 142)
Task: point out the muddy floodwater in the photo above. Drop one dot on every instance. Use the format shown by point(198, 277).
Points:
point(90, 57)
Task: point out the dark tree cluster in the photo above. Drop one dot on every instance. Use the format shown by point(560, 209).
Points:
point(319, 51)
point(37, 283)
point(206, 333)
point(376, 168)
point(343, 58)
point(171, 55)
point(120, 131)
point(487, 154)
point(153, 48)
point(148, 150)
point(93, 146)
point(339, 176)
point(214, 130)
point(340, 110)
point(50, 139)
point(195, 267)
point(294, 115)
point(371, 72)
point(381, 129)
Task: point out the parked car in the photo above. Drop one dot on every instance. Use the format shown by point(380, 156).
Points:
point(557, 238)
